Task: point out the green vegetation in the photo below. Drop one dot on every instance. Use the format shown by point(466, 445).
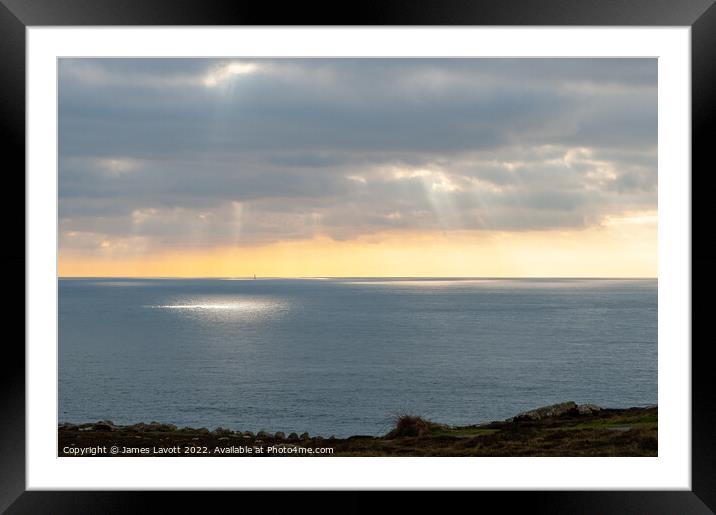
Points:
point(566, 431)
point(462, 432)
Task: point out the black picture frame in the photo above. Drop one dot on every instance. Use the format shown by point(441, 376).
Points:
point(16, 15)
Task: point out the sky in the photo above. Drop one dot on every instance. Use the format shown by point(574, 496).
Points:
point(357, 167)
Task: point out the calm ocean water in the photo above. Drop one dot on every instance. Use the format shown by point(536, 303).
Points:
point(344, 356)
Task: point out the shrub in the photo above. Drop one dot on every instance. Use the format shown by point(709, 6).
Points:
point(410, 425)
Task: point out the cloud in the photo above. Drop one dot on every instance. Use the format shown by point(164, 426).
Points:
point(159, 153)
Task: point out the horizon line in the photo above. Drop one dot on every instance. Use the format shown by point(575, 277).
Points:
point(252, 277)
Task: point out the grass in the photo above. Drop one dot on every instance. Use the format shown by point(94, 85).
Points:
point(640, 420)
point(463, 432)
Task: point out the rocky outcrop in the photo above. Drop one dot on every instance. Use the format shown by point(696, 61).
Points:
point(102, 425)
point(588, 409)
point(105, 425)
point(153, 426)
point(553, 410)
point(557, 410)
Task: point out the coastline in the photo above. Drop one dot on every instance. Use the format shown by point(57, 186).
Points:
point(564, 429)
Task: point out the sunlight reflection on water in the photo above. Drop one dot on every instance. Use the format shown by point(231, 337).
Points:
point(251, 305)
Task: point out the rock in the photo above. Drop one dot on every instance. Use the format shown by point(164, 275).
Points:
point(224, 438)
point(263, 434)
point(68, 427)
point(104, 426)
point(553, 410)
point(222, 431)
point(293, 436)
point(318, 438)
point(279, 436)
point(248, 434)
point(153, 426)
point(305, 436)
point(588, 409)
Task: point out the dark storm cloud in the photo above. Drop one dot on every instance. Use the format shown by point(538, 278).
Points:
point(212, 152)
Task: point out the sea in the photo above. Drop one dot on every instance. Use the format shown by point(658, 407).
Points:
point(346, 356)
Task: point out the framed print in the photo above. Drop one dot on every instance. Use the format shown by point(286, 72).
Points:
point(435, 250)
